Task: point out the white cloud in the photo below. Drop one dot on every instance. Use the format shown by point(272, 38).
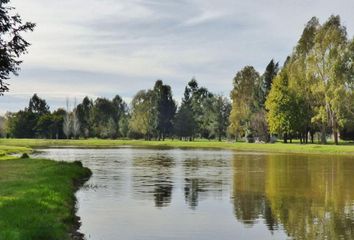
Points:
point(107, 47)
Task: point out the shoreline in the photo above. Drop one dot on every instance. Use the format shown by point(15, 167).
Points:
point(50, 188)
point(28, 144)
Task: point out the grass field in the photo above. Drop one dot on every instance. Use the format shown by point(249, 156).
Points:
point(344, 148)
point(37, 198)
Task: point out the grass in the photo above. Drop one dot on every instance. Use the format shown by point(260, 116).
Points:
point(37, 198)
point(344, 148)
point(6, 150)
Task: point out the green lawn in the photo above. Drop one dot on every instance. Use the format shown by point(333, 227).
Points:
point(37, 198)
point(344, 148)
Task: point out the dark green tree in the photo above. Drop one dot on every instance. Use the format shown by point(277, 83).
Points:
point(268, 76)
point(84, 114)
point(38, 105)
point(166, 109)
point(220, 117)
point(12, 44)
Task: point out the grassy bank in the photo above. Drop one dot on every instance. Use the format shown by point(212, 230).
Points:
point(98, 143)
point(37, 198)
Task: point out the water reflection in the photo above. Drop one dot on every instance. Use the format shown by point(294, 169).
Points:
point(152, 178)
point(205, 178)
point(311, 197)
point(196, 194)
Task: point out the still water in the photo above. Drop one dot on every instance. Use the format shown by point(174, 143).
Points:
point(151, 194)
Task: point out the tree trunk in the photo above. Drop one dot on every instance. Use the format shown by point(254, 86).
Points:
point(285, 138)
point(335, 133)
point(323, 134)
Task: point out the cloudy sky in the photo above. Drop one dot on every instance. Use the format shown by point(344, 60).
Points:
point(109, 47)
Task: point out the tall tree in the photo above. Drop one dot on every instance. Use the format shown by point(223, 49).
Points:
point(144, 112)
point(166, 109)
point(330, 84)
point(246, 100)
point(220, 117)
point(199, 100)
point(12, 44)
point(268, 76)
point(84, 115)
point(38, 105)
point(284, 108)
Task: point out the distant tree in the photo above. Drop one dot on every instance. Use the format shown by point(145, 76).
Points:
point(58, 123)
point(124, 125)
point(144, 112)
point(38, 105)
point(165, 108)
point(13, 45)
point(120, 115)
point(84, 115)
point(3, 127)
point(246, 100)
point(103, 110)
point(108, 129)
point(67, 124)
point(184, 124)
point(22, 124)
point(199, 100)
point(75, 124)
point(45, 126)
point(220, 117)
point(268, 76)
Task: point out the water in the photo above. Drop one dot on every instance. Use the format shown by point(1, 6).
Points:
point(151, 194)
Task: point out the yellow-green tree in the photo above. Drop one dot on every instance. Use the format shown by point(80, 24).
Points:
point(245, 100)
point(330, 82)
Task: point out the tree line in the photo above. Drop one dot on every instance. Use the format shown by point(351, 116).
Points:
point(152, 114)
point(310, 95)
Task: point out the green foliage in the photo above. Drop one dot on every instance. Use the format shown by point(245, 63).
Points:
point(13, 45)
point(144, 112)
point(314, 90)
point(220, 117)
point(185, 125)
point(284, 107)
point(247, 97)
point(166, 109)
point(268, 76)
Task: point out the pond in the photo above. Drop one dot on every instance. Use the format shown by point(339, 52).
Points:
point(155, 194)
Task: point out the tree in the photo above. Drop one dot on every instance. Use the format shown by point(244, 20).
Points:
point(38, 105)
point(284, 111)
point(184, 124)
point(67, 124)
point(75, 124)
point(144, 112)
point(22, 124)
point(166, 109)
point(58, 123)
point(199, 101)
point(84, 115)
point(103, 110)
point(330, 83)
point(268, 76)
point(12, 44)
point(220, 116)
point(246, 99)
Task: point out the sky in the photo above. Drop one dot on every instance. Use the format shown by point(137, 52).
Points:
point(100, 48)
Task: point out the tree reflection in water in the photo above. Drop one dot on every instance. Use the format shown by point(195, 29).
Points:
point(311, 197)
point(204, 178)
point(152, 178)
